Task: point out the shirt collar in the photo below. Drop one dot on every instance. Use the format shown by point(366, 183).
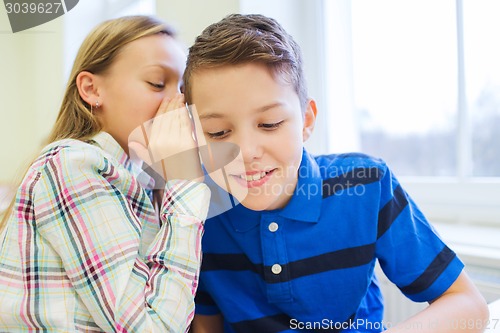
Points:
point(107, 143)
point(304, 206)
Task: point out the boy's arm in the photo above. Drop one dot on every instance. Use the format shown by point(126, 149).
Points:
point(207, 324)
point(461, 308)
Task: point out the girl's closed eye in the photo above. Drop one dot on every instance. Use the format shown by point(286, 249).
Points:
point(271, 126)
point(159, 85)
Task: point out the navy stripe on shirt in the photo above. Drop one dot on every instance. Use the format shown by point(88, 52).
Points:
point(280, 322)
point(229, 262)
point(431, 273)
point(345, 258)
point(391, 210)
point(355, 177)
point(269, 324)
point(202, 297)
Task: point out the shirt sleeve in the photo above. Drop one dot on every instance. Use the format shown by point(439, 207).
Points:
point(410, 251)
point(92, 213)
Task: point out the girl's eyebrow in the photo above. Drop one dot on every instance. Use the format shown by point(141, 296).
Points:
point(160, 66)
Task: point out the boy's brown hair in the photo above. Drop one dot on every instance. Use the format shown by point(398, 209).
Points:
point(240, 39)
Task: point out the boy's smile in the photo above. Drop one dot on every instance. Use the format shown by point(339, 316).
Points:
point(253, 178)
point(251, 107)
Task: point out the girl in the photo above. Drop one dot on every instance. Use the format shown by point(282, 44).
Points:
point(86, 248)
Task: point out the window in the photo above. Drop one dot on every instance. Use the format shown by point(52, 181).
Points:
point(418, 84)
point(404, 77)
point(426, 84)
point(482, 74)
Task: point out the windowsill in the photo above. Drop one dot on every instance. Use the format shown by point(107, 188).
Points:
point(478, 243)
point(471, 202)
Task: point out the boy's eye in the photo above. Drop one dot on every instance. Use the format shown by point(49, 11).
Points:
point(217, 135)
point(271, 125)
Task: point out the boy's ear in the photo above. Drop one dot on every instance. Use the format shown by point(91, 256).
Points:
point(86, 84)
point(309, 119)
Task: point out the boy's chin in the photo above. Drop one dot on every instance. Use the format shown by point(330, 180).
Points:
point(258, 204)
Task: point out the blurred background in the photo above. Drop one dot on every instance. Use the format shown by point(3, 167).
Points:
point(415, 82)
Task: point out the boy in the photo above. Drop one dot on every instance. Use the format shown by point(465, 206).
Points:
point(298, 253)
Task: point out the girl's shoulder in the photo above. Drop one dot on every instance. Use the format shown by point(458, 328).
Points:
point(69, 157)
point(67, 150)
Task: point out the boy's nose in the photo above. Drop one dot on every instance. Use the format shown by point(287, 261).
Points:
point(251, 147)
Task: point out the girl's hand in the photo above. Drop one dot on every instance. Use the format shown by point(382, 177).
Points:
point(168, 142)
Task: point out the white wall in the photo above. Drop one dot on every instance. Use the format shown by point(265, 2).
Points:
point(190, 17)
point(34, 69)
point(30, 91)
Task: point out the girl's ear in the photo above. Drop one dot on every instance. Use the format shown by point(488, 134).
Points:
point(309, 119)
point(86, 84)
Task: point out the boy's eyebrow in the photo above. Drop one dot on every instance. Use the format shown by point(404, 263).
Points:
point(270, 106)
point(264, 108)
point(210, 116)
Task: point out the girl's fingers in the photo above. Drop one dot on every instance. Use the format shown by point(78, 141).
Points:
point(170, 134)
point(167, 104)
point(138, 138)
point(197, 130)
point(171, 103)
point(163, 105)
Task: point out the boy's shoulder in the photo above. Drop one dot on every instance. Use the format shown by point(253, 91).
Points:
point(350, 158)
point(348, 162)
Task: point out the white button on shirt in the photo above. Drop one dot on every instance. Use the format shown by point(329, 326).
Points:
point(273, 226)
point(276, 269)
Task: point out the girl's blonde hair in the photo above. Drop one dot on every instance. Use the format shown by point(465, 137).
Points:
point(96, 54)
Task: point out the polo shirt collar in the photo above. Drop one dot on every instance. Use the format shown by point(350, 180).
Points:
point(304, 206)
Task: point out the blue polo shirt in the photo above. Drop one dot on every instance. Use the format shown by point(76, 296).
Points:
point(310, 265)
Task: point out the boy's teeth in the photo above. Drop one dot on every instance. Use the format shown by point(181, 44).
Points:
point(255, 176)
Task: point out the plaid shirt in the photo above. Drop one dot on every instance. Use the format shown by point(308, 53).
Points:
point(84, 249)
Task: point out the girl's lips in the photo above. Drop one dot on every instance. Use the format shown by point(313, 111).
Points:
point(253, 179)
